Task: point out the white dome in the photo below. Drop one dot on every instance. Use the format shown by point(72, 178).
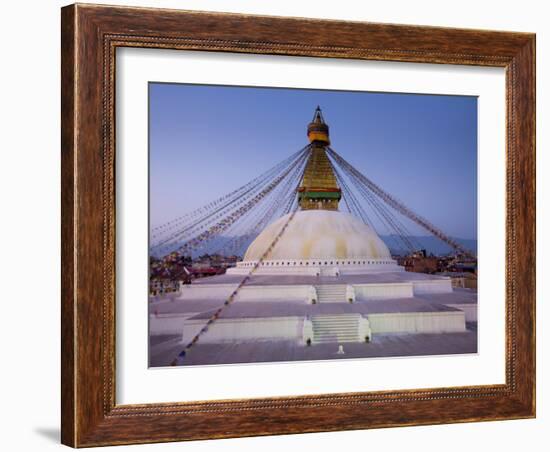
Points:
point(318, 234)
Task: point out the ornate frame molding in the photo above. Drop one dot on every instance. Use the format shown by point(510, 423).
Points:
point(90, 37)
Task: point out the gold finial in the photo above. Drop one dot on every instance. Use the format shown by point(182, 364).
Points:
point(317, 129)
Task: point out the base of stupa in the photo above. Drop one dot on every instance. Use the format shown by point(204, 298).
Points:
point(313, 310)
point(311, 289)
point(317, 267)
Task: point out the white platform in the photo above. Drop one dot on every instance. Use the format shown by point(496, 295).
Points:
point(349, 306)
point(242, 329)
point(358, 287)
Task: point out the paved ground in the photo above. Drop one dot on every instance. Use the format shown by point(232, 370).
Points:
point(253, 309)
point(419, 303)
point(163, 349)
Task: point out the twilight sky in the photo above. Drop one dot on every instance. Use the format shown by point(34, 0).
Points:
point(205, 141)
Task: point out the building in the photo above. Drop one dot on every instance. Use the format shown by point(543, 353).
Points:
point(420, 262)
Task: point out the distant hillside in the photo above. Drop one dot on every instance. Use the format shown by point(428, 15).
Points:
point(432, 245)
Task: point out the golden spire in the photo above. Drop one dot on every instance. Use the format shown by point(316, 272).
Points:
point(319, 188)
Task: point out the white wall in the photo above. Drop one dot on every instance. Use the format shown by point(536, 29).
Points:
point(29, 178)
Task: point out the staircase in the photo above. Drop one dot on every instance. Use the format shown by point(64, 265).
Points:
point(330, 293)
point(337, 328)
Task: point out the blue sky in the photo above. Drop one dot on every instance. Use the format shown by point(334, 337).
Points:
point(206, 141)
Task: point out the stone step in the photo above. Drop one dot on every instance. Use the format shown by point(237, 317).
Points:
point(337, 328)
point(322, 317)
point(335, 333)
point(323, 300)
point(333, 329)
point(335, 316)
point(332, 292)
point(336, 336)
point(336, 340)
point(343, 292)
point(340, 326)
point(349, 323)
point(330, 298)
point(331, 288)
point(331, 295)
point(336, 296)
point(335, 321)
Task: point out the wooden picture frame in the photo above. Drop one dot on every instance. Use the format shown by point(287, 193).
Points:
point(90, 36)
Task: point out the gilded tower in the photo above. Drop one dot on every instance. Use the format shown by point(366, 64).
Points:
point(319, 188)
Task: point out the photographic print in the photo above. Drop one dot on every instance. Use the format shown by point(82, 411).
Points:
point(300, 224)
